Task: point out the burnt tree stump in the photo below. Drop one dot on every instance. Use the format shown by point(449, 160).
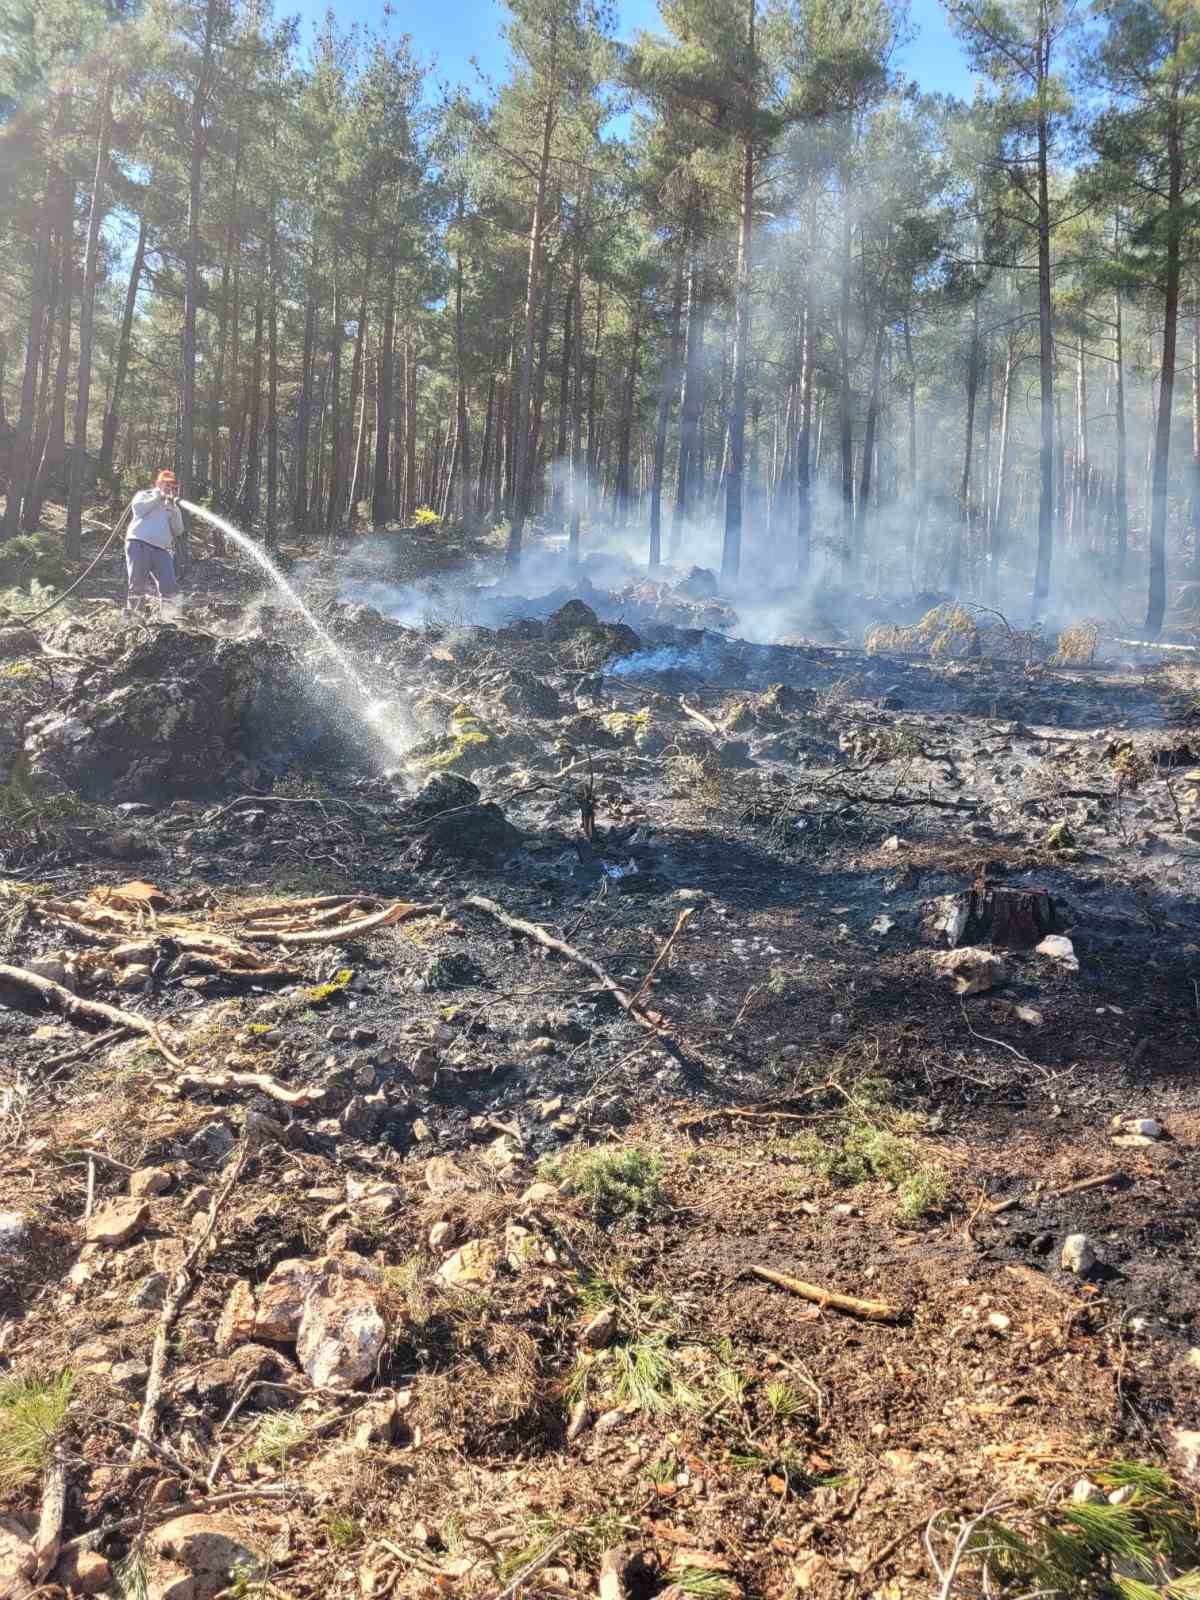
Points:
point(1013, 919)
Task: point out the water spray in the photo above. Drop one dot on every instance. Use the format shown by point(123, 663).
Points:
point(372, 709)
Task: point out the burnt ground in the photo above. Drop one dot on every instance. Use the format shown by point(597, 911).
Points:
point(815, 1097)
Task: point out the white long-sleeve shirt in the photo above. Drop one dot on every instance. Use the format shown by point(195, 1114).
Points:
point(154, 520)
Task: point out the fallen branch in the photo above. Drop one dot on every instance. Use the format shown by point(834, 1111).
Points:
point(706, 723)
point(681, 922)
point(539, 935)
point(144, 1520)
point(1099, 1181)
point(48, 1538)
point(869, 1310)
point(401, 911)
point(261, 1081)
point(112, 1036)
point(83, 1012)
point(181, 1288)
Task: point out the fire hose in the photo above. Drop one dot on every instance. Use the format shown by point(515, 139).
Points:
point(26, 622)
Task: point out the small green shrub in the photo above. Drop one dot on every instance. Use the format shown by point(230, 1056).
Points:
point(32, 559)
point(426, 517)
point(32, 1414)
point(865, 1151)
point(618, 1180)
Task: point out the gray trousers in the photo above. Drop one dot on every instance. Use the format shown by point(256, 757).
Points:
point(145, 562)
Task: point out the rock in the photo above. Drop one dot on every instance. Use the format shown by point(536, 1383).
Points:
point(149, 1181)
point(281, 1301)
point(1087, 1493)
point(209, 1550)
point(134, 977)
point(1078, 1256)
point(442, 791)
point(378, 1421)
point(568, 620)
point(1143, 1127)
point(473, 1263)
point(478, 833)
point(342, 1330)
point(522, 1247)
point(441, 1235)
point(364, 1035)
point(444, 1177)
point(18, 641)
point(375, 1198)
point(150, 1291)
point(813, 1572)
point(362, 1116)
point(600, 1332)
point(83, 1572)
point(237, 1322)
point(117, 1222)
point(14, 1233)
point(130, 1375)
point(541, 1193)
point(425, 1064)
point(1185, 1449)
point(610, 1421)
point(54, 969)
point(1059, 949)
point(578, 1421)
point(998, 1322)
point(210, 1144)
point(219, 1382)
point(972, 969)
point(18, 1559)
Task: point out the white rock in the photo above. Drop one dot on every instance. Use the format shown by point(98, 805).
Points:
point(973, 969)
point(1147, 1127)
point(342, 1328)
point(14, 1232)
point(1059, 949)
point(18, 1560)
point(1086, 1493)
point(83, 1572)
point(1078, 1255)
point(998, 1322)
point(281, 1301)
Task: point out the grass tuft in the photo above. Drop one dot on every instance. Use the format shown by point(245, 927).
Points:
point(618, 1180)
point(33, 1412)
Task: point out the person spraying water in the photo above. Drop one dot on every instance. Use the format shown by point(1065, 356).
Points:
point(155, 522)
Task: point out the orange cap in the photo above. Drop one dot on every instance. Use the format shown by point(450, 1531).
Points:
point(166, 476)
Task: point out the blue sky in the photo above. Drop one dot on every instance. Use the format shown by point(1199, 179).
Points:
point(452, 31)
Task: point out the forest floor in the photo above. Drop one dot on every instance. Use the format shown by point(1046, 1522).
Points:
point(522, 1347)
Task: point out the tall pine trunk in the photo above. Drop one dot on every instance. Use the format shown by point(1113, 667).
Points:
point(112, 416)
point(87, 320)
point(731, 552)
point(521, 419)
point(670, 381)
point(191, 292)
point(1045, 546)
point(1157, 600)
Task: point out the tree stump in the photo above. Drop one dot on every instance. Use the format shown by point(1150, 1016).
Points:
point(1012, 919)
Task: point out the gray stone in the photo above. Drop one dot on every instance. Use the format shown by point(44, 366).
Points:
point(1078, 1256)
point(130, 1374)
point(14, 1233)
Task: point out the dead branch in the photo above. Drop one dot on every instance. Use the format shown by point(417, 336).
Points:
point(85, 1012)
point(706, 723)
point(261, 1081)
point(869, 1310)
point(144, 1520)
point(681, 922)
point(181, 1288)
point(112, 1036)
point(539, 935)
point(401, 911)
point(49, 1531)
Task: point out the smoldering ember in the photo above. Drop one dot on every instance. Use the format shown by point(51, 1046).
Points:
point(600, 803)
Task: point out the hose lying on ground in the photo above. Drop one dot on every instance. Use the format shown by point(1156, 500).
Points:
point(26, 622)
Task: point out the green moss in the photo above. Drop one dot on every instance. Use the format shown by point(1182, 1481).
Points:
point(625, 724)
point(322, 993)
